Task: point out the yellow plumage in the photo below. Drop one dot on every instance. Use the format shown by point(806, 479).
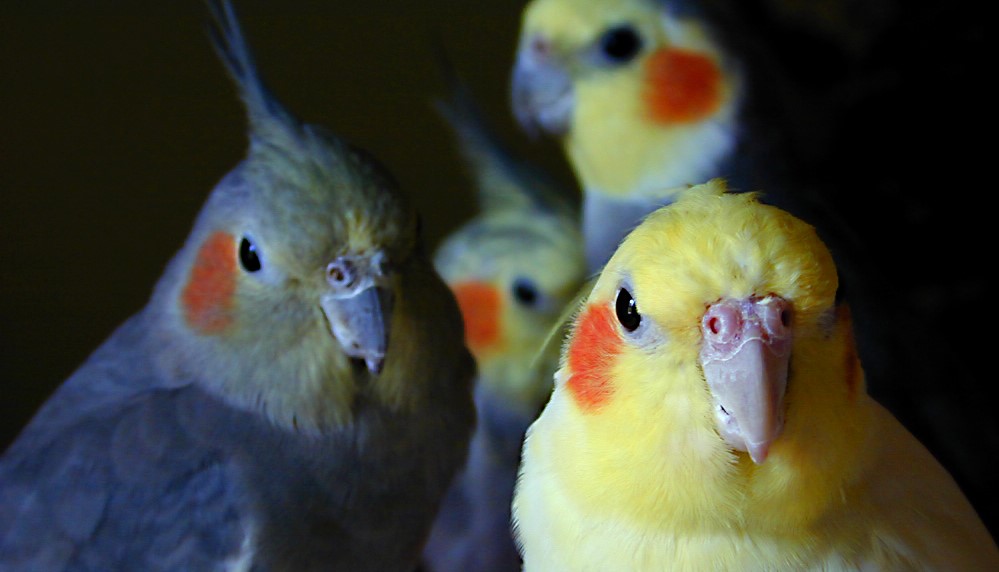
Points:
point(637, 477)
point(613, 144)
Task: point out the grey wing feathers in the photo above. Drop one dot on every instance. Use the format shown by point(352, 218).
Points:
point(122, 489)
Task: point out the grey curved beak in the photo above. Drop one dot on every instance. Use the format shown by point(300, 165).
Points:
point(541, 89)
point(361, 323)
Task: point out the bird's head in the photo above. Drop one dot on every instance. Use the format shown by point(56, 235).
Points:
point(291, 288)
point(513, 273)
point(710, 369)
point(630, 86)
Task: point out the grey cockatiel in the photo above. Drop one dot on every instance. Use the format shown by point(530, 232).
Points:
point(296, 395)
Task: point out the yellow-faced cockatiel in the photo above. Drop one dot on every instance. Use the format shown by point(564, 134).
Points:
point(296, 394)
point(711, 413)
point(647, 96)
point(514, 268)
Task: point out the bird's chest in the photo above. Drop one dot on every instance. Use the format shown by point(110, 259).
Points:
point(357, 498)
point(575, 537)
point(374, 464)
point(620, 546)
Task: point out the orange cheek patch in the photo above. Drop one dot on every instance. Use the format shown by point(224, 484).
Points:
point(682, 86)
point(480, 305)
point(207, 297)
point(594, 345)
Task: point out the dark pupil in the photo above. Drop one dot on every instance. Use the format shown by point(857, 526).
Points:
point(627, 311)
point(524, 292)
point(620, 44)
point(248, 256)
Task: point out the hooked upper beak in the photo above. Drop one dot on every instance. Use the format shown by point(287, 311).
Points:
point(541, 88)
point(745, 356)
point(358, 307)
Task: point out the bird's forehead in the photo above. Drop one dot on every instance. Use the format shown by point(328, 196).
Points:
point(684, 259)
point(547, 246)
point(321, 214)
point(578, 21)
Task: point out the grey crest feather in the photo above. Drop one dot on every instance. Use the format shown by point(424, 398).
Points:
point(269, 120)
point(503, 180)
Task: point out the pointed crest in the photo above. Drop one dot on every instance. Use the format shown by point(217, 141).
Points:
point(503, 181)
point(269, 120)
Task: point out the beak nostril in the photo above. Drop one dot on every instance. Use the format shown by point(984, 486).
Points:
point(540, 46)
point(339, 273)
point(785, 318)
point(714, 325)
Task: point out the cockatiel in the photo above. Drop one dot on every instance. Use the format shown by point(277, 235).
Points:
point(710, 413)
point(513, 268)
point(648, 96)
point(645, 97)
point(296, 394)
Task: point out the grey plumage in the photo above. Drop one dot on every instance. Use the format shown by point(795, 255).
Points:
point(228, 425)
point(159, 478)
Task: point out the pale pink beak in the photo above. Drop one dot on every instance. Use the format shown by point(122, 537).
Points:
point(745, 354)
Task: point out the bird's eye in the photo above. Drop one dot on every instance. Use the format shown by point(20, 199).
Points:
point(525, 292)
point(627, 310)
point(620, 44)
point(248, 257)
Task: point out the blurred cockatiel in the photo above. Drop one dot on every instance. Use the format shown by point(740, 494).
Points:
point(296, 394)
point(513, 268)
point(710, 413)
point(647, 96)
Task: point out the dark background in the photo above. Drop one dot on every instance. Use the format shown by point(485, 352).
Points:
point(116, 120)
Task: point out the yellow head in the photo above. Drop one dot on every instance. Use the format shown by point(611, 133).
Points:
point(636, 427)
point(640, 93)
